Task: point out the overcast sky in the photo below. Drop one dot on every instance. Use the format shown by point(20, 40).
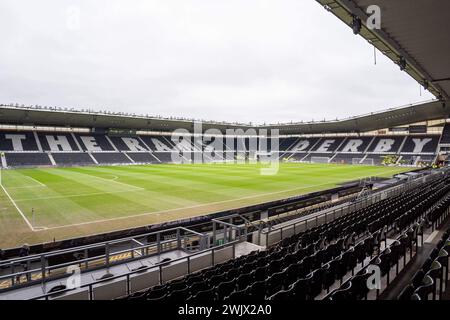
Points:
point(264, 61)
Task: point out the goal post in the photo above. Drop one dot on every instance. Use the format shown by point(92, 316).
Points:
point(263, 156)
point(365, 161)
point(320, 159)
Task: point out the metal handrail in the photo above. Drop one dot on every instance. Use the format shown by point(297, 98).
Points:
point(91, 246)
point(127, 275)
point(102, 259)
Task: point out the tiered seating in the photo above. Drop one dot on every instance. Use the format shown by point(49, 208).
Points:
point(157, 143)
point(420, 144)
point(128, 144)
point(326, 145)
point(24, 141)
point(57, 142)
point(286, 143)
point(302, 266)
point(335, 149)
point(27, 159)
point(355, 145)
point(110, 158)
point(386, 144)
point(142, 157)
point(72, 158)
point(430, 281)
point(410, 224)
point(304, 144)
point(445, 139)
point(94, 142)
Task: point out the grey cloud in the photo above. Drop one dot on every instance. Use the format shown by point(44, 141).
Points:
point(255, 60)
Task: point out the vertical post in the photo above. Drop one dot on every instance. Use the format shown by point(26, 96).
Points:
point(230, 235)
point(178, 239)
point(214, 233)
point(128, 284)
point(86, 263)
point(234, 250)
point(158, 242)
point(107, 254)
point(42, 271)
point(189, 264)
point(225, 233)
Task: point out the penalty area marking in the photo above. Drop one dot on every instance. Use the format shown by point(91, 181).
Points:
point(74, 195)
point(40, 183)
point(185, 208)
point(111, 180)
point(203, 204)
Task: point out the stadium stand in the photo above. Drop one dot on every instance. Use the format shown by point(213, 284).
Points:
point(94, 142)
point(307, 265)
point(165, 157)
point(355, 145)
point(386, 144)
point(445, 139)
point(413, 150)
point(132, 144)
point(327, 145)
point(17, 141)
point(430, 281)
point(14, 159)
point(420, 144)
point(110, 157)
point(72, 158)
point(57, 142)
point(142, 157)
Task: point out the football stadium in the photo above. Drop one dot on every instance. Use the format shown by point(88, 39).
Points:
point(113, 205)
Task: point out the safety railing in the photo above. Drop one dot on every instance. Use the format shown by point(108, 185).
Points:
point(42, 267)
point(128, 276)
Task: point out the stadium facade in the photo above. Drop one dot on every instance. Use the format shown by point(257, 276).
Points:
point(418, 138)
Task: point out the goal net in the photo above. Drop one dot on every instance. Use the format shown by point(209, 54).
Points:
point(320, 159)
point(366, 161)
point(265, 156)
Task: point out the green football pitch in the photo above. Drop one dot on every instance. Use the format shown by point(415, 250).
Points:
point(39, 205)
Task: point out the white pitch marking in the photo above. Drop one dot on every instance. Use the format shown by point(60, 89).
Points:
point(184, 208)
point(15, 205)
point(112, 180)
point(204, 204)
point(26, 187)
point(74, 195)
point(40, 183)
